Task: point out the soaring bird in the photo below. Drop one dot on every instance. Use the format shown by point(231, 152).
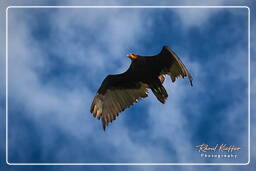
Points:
point(120, 91)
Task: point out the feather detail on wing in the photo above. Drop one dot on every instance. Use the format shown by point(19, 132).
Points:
point(173, 66)
point(107, 106)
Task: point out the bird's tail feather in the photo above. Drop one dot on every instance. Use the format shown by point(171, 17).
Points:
point(160, 92)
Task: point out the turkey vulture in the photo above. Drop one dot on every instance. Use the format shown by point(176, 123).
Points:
point(120, 91)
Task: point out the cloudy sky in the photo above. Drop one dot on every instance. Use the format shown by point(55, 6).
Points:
point(59, 57)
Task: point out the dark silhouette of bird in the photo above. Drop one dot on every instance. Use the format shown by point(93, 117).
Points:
point(120, 91)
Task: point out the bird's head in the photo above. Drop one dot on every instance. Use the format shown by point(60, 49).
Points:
point(132, 56)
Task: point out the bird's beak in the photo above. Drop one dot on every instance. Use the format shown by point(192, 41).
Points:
point(132, 56)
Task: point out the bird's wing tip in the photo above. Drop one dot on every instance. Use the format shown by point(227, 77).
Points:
point(104, 127)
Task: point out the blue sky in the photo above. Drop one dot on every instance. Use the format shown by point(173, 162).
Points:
point(58, 58)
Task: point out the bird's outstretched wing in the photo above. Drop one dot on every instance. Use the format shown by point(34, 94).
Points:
point(116, 94)
point(169, 63)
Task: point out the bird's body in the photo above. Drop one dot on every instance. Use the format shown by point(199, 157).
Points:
point(118, 92)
